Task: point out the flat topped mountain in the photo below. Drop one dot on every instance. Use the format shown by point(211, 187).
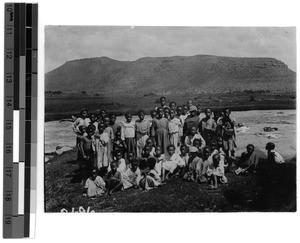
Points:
point(171, 75)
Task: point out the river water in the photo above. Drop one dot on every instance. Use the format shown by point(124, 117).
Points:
point(61, 134)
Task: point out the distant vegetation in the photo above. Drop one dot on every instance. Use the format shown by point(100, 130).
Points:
point(147, 76)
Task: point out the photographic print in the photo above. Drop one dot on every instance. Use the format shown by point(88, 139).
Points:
point(170, 119)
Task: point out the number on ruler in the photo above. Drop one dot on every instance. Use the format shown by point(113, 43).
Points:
point(9, 54)
point(9, 78)
point(8, 196)
point(8, 172)
point(7, 220)
point(8, 149)
point(9, 102)
point(9, 30)
point(8, 125)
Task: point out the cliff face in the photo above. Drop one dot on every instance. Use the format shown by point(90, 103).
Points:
point(169, 75)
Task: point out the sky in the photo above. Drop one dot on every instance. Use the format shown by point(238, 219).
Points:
point(65, 43)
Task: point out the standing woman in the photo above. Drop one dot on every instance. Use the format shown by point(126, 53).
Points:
point(160, 130)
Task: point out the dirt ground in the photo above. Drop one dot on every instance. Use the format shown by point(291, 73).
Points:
point(270, 190)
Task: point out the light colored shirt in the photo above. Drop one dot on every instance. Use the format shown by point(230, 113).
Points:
point(174, 125)
point(127, 130)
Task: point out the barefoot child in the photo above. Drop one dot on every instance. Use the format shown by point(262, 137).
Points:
point(207, 127)
point(101, 143)
point(194, 167)
point(94, 185)
point(132, 176)
point(215, 172)
point(114, 179)
point(86, 147)
point(128, 133)
point(171, 162)
point(159, 159)
point(150, 178)
point(160, 130)
point(110, 132)
point(174, 127)
point(142, 132)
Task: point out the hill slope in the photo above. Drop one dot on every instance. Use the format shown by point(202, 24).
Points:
point(171, 75)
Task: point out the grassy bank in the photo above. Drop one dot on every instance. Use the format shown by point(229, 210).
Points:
point(271, 190)
point(60, 107)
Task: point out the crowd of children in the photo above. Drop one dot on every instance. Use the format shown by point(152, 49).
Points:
point(175, 142)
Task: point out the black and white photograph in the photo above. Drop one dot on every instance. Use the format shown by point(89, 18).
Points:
point(170, 119)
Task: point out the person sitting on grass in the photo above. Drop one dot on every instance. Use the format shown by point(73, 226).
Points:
point(94, 185)
point(130, 160)
point(172, 163)
point(193, 171)
point(132, 176)
point(250, 161)
point(118, 157)
point(215, 172)
point(273, 156)
point(198, 144)
point(150, 178)
point(114, 180)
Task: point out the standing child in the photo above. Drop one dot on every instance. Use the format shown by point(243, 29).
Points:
point(86, 147)
point(114, 179)
point(111, 136)
point(118, 143)
point(174, 127)
point(159, 160)
point(150, 144)
point(207, 127)
point(142, 132)
point(171, 163)
point(115, 126)
point(160, 130)
point(101, 143)
point(94, 122)
point(94, 185)
point(228, 134)
point(83, 120)
point(128, 133)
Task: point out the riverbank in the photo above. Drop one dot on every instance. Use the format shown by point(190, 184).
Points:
point(62, 107)
point(268, 191)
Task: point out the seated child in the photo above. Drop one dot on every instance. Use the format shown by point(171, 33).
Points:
point(198, 144)
point(273, 156)
point(94, 185)
point(171, 163)
point(159, 159)
point(132, 176)
point(150, 178)
point(215, 172)
point(192, 135)
point(195, 166)
point(114, 179)
point(121, 164)
point(146, 152)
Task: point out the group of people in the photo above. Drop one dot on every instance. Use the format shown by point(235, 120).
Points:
point(175, 142)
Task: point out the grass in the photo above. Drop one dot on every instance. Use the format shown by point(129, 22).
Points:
point(271, 190)
point(60, 106)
